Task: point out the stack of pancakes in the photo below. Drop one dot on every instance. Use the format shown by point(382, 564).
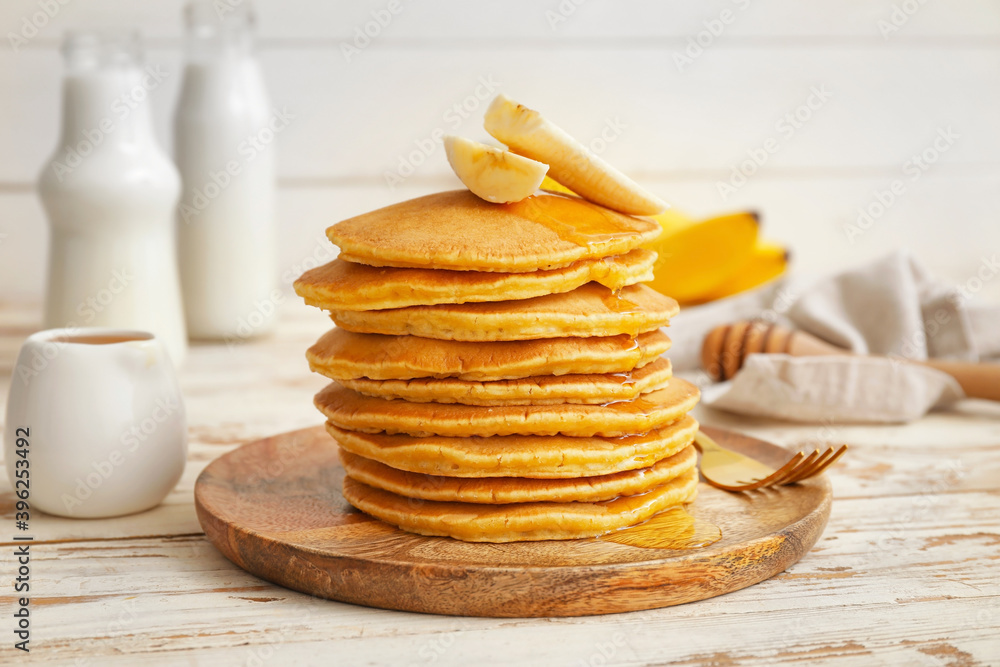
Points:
point(497, 370)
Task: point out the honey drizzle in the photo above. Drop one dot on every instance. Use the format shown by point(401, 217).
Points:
point(99, 339)
point(640, 406)
point(672, 528)
point(574, 220)
point(625, 378)
point(610, 273)
point(616, 303)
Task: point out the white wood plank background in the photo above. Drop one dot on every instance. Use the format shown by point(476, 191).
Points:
point(685, 130)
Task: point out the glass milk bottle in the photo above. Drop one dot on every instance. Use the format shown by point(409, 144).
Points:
point(110, 194)
point(224, 133)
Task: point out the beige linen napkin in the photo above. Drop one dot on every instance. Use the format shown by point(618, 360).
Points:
point(891, 307)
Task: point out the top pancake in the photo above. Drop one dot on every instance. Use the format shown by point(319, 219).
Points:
point(457, 230)
point(341, 285)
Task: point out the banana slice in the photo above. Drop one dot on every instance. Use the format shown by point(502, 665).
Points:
point(493, 174)
point(570, 162)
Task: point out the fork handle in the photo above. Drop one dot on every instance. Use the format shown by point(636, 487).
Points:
point(703, 443)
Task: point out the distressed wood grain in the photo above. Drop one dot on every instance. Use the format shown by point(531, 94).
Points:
point(905, 572)
point(149, 595)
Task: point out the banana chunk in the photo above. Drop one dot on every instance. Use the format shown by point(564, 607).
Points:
point(571, 163)
point(493, 174)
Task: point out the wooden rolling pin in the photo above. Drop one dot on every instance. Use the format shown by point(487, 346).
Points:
point(725, 348)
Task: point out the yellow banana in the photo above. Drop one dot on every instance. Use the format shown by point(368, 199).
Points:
point(695, 257)
point(767, 261)
point(710, 259)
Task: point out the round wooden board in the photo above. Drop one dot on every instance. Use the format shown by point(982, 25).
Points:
point(274, 508)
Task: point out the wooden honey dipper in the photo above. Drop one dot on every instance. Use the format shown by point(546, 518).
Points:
point(726, 347)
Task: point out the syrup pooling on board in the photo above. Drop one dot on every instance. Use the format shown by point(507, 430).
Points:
point(672, 528)
point(573, 219)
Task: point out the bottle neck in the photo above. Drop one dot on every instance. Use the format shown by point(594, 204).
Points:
point(108, 106)
point(234, 46)
point(105, 93)
point(212, 36)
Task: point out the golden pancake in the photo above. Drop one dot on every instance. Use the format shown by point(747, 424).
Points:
point(342, 355)
point(342, 285)
point(517, 522)
point(459, 231)
point(502, 490)
point(589, 310)
point(538, 390)
point(536, 456)
point(352, 411)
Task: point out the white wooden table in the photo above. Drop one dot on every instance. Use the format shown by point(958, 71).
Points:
point(907, 572)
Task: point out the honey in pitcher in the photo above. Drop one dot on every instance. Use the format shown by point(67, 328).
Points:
point(101, 339)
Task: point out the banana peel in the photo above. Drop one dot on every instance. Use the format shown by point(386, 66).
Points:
point(696, 256)
point(767, 261)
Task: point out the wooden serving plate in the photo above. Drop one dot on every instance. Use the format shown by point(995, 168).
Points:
point(274, 508)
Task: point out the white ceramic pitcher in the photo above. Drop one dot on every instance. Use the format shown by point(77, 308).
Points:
point(98, 416)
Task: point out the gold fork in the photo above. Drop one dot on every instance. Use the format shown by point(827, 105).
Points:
point(732, 471)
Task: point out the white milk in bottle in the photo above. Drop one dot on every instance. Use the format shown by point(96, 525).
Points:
point(110, 193)
point(224, 147)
